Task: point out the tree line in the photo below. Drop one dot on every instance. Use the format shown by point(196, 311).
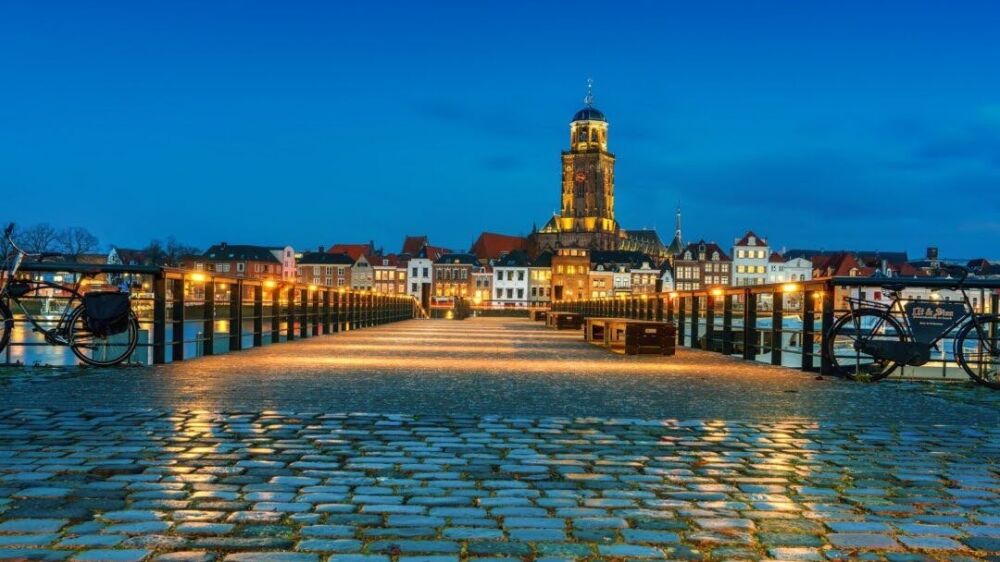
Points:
point(74, 242)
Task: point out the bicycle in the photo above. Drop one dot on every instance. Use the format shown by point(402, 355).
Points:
point(102, 330)
point(870, 343)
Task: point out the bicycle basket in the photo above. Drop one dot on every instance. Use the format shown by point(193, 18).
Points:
point(106, 313)
point(18, 289)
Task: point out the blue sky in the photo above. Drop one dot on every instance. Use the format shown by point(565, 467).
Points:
point(870, 125)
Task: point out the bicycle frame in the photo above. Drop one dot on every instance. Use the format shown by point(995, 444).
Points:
point(74, 296)
point(897, 309)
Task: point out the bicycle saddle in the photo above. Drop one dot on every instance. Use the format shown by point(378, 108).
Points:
point(896, 287)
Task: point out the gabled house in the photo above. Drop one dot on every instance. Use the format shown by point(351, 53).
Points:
point(243, 260)
point(324, 269)
point(702, 265)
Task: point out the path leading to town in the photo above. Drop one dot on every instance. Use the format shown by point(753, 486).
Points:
point(438, 441)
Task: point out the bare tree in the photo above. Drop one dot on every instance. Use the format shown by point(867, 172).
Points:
point(154, 252)
point(38, 239)
point(175, 251)
point(75, 241)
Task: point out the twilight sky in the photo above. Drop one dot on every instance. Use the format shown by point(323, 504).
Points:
point(867, 125)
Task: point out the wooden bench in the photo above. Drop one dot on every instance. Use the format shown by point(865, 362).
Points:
point(538, 314)
point(631, 337)
point(564, 320)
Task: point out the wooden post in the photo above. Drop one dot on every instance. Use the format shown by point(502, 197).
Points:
point(258, 315)
point(808, 328)
point(159, 318)
point(208, 320)
point(236, 316)
point(777, 317)
point(749, 325)
point(177, 319)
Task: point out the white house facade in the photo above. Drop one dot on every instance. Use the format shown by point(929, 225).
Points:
point(511, 281)
point(750, 260)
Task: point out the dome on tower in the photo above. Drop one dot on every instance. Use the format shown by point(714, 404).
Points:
point(589, 113)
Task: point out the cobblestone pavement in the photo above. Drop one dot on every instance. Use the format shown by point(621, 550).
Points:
point(715, 461)
point(103, 485)
point(493, 366)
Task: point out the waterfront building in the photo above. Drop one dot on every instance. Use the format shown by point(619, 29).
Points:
point(324, 269)
point(751, 256)
point(482, 286)
point(511, 280)
point(781, 270)
point(644, 278)
point(540, 280)
point(390, 275)
point(453, 276)
point(243, 260)
point(701, 265)
point(363, 255)
point(570, 269)
point(666, 279)
point(600, 283)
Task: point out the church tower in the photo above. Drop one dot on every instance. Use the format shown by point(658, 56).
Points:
point(588, 175)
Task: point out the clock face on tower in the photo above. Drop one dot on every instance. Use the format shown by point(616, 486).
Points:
point(581, 177)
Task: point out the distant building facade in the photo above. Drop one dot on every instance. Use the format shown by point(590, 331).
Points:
point(750, 260)
point(702, 265)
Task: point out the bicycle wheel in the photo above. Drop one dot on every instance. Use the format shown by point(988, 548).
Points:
point(101, 351)
point(978, 350)
point(6, 325)
point(843, 344)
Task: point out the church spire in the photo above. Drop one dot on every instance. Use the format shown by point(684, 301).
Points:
point(589, 99)
point(677, 227)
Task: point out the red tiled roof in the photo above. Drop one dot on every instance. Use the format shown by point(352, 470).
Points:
point(776, 258)
point(412, 244)
point(491, 246)
point(745, 241)
point(354, 250)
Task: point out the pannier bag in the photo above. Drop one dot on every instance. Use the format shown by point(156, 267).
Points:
point(106, 313)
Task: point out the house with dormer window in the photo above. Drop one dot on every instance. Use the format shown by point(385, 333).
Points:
point(702, 265)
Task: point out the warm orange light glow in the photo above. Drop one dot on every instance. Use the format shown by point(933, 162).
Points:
point(197, 277)
point(270, 284)
point(312, 288)
point(674, 295)
point(789, 287)
point(717, 292)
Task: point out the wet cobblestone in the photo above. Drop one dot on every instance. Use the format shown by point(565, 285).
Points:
point(404, 486)
point(229, 482)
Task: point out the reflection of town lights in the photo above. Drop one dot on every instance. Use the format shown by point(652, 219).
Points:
point(197, 277)
point(717, 292)
point(789, 287)
point(270, 284)
point(312, 288)
point(674, 295)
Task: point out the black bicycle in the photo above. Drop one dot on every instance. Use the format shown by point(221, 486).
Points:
point(874, 338)
point(102, 330)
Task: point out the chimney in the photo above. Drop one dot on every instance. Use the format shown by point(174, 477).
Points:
point(932, 252)
point(222, 245)
point(321, 249)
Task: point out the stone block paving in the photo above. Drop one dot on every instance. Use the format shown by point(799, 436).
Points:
point(186, 485)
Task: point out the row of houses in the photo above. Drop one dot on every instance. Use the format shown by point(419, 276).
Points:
point(498, 271)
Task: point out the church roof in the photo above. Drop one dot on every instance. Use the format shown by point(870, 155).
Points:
point(645, 236)
point(675, 246)
point(589, 113)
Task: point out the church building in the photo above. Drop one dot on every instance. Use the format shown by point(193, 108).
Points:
point(587, 216)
